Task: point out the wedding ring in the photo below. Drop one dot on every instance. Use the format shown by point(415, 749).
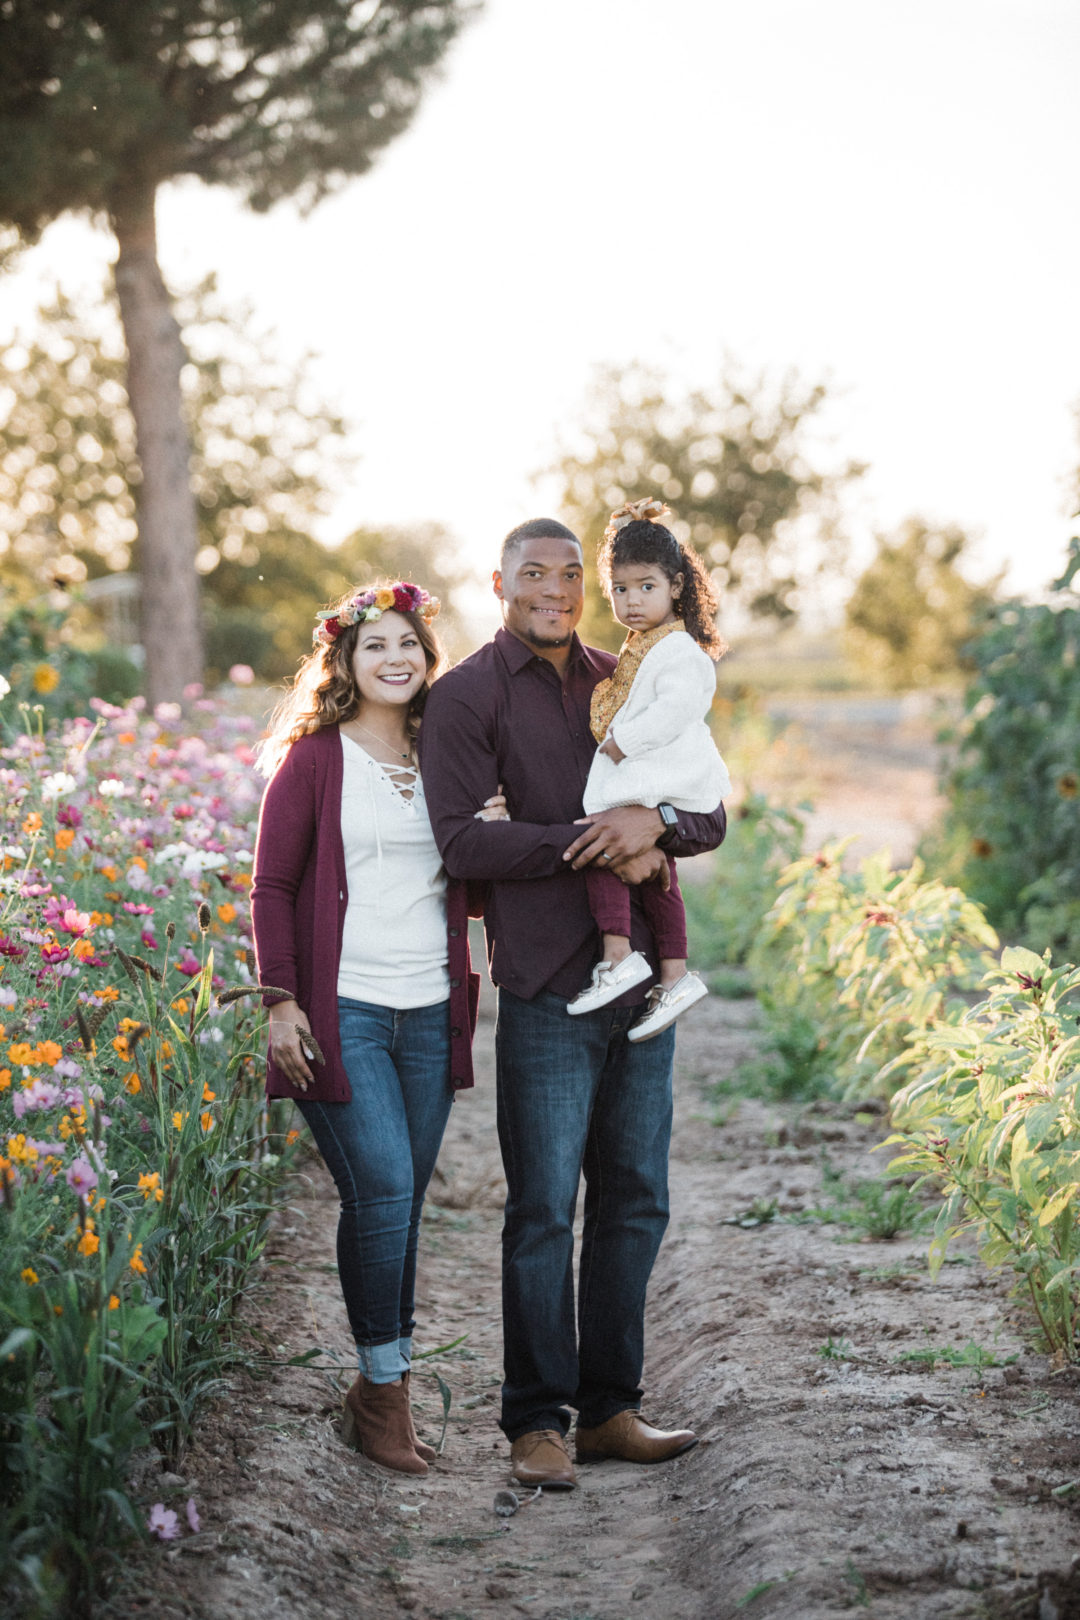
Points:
point(604, 856)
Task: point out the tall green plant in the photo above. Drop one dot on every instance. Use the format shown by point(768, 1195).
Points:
point(1012, 831)
point(864, 958)
point(992, 1118)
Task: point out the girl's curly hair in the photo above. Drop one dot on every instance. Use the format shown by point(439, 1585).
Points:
point(324, 690)
point(645, 541)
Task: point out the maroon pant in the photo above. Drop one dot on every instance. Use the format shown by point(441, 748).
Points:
point(609, 902)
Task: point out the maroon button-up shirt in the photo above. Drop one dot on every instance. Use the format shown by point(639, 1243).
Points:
point(503, 715)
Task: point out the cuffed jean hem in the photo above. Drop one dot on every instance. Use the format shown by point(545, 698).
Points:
point(381, 1363)
point(405, 1351)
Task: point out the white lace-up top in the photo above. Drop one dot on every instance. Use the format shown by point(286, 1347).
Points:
point(393, 952)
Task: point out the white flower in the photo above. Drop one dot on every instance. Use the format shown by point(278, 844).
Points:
point(203, 860)
point(5, 687)
point(112, 788)
point(167, 714)
point(56, 784)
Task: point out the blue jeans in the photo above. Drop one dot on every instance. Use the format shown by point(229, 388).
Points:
point(380, 1149)
point(573, 1095)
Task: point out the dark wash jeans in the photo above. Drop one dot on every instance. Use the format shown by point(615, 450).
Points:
point(380, 1149)
point(574, 1095)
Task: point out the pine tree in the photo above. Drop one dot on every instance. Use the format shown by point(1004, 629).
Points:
point(103, 101)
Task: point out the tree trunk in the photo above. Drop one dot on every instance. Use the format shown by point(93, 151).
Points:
point(168, 533)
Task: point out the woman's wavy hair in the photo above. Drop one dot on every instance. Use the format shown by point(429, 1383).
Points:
point(324, 690)
point(643, 541)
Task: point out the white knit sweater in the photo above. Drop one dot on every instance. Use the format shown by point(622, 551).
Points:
point(670, 755)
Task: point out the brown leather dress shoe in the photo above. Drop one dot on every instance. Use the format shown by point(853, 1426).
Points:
point(541, 1458)
point(631, 1438)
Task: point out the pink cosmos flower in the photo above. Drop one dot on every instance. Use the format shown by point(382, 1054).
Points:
point(82, 1178)
point(54, 954)
point(187, 962)
point(193, 1519)
point(76, 922)
point(241, 674)
point(162, 1522)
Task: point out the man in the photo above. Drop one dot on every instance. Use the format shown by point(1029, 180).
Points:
point(573, 1093)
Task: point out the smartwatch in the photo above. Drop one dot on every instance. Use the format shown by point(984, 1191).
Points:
point(670, 818)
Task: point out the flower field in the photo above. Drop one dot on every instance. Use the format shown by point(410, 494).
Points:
point(137, 1157)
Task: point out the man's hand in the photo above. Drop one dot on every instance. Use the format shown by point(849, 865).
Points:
point(619, 834)
point(652, 866)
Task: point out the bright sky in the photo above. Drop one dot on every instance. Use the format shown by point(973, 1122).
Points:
point(880, 190)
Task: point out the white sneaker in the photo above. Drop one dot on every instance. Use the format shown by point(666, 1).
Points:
point(609, 981)
point(664, 1006)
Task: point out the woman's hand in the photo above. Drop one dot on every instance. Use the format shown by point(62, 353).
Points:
point(494, 808)
point(611, 748)
point(286, 1049)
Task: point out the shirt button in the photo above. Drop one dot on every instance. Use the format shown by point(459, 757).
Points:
point(455, 1033)
point(454, 932)
point(455, 984)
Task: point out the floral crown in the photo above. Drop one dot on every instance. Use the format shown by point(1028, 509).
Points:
point(647, 511)
point(401, 597)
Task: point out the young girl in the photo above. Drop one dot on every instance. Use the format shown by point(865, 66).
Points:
point(655, 747)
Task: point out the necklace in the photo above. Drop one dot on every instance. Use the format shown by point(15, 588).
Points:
point(382, 740)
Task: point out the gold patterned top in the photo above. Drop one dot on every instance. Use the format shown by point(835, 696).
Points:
point(609, 697)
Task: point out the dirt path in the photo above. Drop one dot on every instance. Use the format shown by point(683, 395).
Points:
point(823, 1483)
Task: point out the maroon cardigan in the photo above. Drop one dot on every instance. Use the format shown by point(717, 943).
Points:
point(298, 903)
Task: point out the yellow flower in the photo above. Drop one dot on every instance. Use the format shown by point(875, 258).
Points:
point(181, 1005)
point(114, 1303)
point(137, 1263)
point(132, 1083)
point(89, 1243)
point(29, 1276)
point(46, 678)
point(151, 1184)
point(178, 1121)
point(384, 599)
point(22, 1151)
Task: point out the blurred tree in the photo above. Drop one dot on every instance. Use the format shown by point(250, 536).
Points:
point(913, 611)
point(102, 101)
point(737, 464)
point(266, 455)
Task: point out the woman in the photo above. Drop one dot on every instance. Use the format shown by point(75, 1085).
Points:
point(363, 945)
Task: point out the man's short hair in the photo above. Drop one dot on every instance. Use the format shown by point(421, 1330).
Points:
point(534, 529)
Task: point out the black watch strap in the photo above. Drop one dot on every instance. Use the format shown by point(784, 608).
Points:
point(670, 818)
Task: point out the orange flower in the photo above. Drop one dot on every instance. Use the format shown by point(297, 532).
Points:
point(110, 874)
point(243, 878)
point(120, 1047)
point(106, 992)
point(82, 948)
point(126, 737)
point(150, 1185)
point(227, 912)
point(137, 860)
point(207, 1094)
point(21, 1052)
point(28, 1275)
point(65, 837)
point(114, 1303)
point(5, 1079)
point(181, 1004)
point(178, 1120)
point(32, 824)
point(137, 1263)
point(207, 1121)
point(99, 917)
point(48, 1052)
point(291, 1137)
point(132, 1083)
point(89, 1243)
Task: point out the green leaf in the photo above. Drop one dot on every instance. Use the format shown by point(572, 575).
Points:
point(205, 986)
point(1015, 959)
point(1057, 1203)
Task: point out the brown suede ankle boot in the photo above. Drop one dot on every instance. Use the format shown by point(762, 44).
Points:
point(424, 1452)
point(376, 1423)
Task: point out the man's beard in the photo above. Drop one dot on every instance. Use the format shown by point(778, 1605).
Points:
point(536, 640)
